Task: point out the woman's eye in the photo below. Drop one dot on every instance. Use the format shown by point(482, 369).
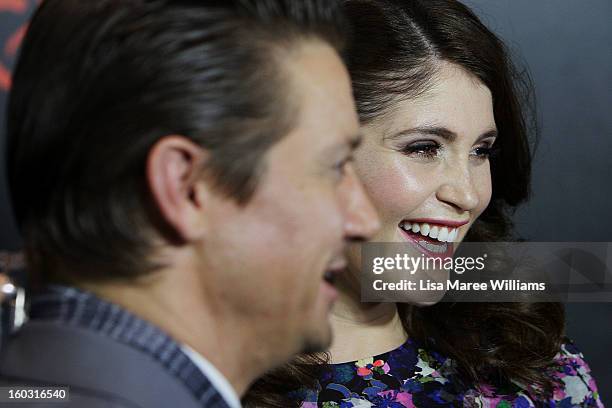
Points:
point(484, 152)
point(426, 150)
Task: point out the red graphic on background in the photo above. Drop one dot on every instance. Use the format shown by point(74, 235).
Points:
point(5, 78)
point(16, 6)
point(9, 50)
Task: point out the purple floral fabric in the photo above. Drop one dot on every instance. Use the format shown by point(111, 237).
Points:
point(411, 376)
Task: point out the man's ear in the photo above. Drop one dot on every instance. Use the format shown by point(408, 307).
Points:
point(174, 177)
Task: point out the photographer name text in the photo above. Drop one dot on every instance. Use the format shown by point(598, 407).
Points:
point(430, 285)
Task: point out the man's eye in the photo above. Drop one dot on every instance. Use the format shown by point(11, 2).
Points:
point(427, 150)
point(340, 167)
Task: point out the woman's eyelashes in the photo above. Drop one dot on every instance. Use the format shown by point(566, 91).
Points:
point(485, 150)
point(431, 149)
point(427, 149)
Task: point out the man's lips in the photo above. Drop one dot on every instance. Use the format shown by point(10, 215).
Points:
point(335, 269)
point(330, 277)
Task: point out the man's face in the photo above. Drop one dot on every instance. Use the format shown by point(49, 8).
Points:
point(271, 259)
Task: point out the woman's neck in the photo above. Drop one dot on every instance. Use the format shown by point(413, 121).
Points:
point(363, 330)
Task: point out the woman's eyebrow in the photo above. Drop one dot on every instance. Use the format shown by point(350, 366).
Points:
point(492, 133)
point(440, 131)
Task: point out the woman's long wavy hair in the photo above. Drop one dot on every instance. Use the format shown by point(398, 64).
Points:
point(395, 50)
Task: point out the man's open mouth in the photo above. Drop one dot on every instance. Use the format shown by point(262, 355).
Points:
point(334, 270)
point(330, 277)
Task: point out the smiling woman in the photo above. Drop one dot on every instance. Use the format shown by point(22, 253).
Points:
point(445, 158)
point(432, 153)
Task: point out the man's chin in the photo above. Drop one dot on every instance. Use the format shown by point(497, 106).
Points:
point(318, 342)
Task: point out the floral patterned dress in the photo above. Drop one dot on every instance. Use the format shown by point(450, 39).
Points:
point(410, 376)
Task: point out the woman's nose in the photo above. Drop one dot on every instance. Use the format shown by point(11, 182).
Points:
point(458, 188)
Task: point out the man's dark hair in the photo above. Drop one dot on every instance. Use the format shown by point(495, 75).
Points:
point(98, 83)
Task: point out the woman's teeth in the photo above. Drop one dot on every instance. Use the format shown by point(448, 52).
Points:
point(442, 234)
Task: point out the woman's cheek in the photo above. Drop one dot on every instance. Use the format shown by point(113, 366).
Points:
point(395, 190)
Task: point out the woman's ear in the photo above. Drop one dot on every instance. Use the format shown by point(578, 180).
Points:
point(174, 176)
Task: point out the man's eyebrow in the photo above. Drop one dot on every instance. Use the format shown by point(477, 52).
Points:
point(346, 146)
point(440, 131)
point(355, 141)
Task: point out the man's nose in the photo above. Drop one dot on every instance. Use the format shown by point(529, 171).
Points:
point(361, 220)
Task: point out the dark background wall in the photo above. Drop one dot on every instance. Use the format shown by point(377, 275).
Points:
point(13, 15)
point(567, 46)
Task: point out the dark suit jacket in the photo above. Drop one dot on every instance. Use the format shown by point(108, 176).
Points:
point(100, 372)
point(107, 357)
